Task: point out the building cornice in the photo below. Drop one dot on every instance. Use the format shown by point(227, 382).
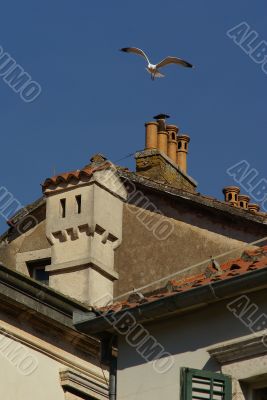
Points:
point(250, 346)
point(89, 262)
point(73, 381)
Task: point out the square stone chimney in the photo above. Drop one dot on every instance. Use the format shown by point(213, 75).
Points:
point(84, 227)
point(164, 158)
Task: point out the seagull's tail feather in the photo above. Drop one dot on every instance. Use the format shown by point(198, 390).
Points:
point(159, 75)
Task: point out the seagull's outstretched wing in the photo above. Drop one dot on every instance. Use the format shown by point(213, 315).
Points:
point(136, 51)
point(174, 60)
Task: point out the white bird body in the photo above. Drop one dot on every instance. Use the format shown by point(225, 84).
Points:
point(153, 69)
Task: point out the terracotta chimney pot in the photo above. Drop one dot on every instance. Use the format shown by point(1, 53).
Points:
point(243, 201)
point(151, 135)
point(231, 195)
point(182, 150)
point(253, 207)
point(163, 141)
point(172, 131)
point(161, 120)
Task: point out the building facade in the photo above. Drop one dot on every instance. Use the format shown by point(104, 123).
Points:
point(93, 227)
point(203, 337)
point(41, 354)
point(98, 234)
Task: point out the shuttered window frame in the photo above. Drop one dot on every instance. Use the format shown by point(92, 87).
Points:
point(190, 376)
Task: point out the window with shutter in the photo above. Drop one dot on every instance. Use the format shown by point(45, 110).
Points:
point(205, 385)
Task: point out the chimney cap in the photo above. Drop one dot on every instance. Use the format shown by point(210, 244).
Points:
point(151, 123)
point(172, 128)
point(234, 189)
point(161, 116)
point(254, 207)
point(183, 136)
point(243, 197)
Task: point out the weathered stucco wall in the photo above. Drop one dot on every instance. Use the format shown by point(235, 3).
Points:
point(32, 240)
point(197, 234)
point(8, 252)
point(36, 240)
point(187, 338)
point(144, 255)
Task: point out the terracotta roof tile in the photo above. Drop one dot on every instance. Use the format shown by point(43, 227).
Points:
point(66, 177)
point(249, 261)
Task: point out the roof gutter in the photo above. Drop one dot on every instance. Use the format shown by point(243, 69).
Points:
point(16, 285)
point(97, 323)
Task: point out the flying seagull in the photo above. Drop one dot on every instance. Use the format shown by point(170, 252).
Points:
point(153, 69)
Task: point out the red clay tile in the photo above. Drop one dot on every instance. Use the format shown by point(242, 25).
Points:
point(230, 269)
point(78, 174)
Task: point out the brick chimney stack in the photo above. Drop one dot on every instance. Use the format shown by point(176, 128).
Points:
point(159, 160)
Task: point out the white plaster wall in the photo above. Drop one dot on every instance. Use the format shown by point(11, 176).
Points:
point(99, 287)
point(107, 211)
point(187, 338)
point(101, 216)
point(75, 283)
point(55, 222)
point(41, 384)
point(86, 285)
point(48, 357)
point(144, 383)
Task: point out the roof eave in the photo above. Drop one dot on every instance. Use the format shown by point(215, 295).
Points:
point(177, 303)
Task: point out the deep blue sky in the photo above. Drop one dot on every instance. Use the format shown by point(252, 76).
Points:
point(96, 99)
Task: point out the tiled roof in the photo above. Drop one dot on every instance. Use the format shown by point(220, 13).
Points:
point(99, 162)
point(249, 261)
point(25, 211)
point(197, 198)
point(78, 175)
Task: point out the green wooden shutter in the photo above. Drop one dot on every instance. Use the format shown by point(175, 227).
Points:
point(204, 385)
